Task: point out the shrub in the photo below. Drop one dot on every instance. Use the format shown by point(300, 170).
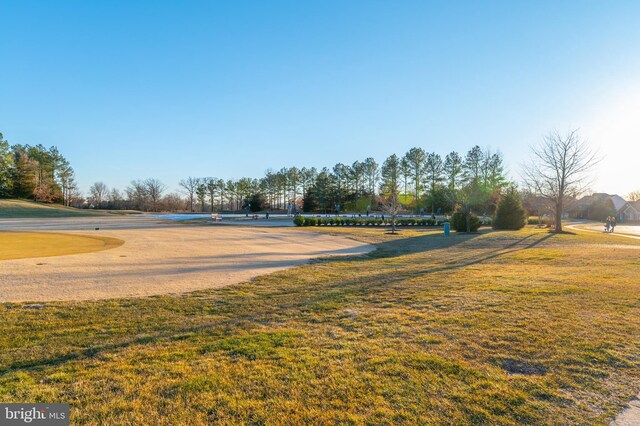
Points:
point(310, 221)
point(459, 221)
point(256, 202)
point(536, 220)
point(298, 220)
point(510, 214)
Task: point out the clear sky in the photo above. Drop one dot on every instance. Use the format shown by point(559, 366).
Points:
point(169, 89)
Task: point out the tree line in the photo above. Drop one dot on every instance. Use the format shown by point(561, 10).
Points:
point(426, 183)
point(36, 172)
point(418, 181)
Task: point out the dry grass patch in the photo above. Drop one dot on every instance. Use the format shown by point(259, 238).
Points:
point(32, 209)
point(476, 329)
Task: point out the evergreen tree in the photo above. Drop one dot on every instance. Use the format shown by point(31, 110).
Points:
point(390, 188)
point(24, 174)
point(510, 214)
point(415, 159)
point(6, 165)
point(472, 165)
point(453, 170)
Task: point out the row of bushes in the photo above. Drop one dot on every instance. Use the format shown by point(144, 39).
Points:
point(535, 220)
point(509, 215)
point(300, 220)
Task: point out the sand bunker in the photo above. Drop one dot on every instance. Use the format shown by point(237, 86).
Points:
point(164, 260)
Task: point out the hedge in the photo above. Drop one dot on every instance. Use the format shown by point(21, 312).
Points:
point(300, 220)
point(459, 221)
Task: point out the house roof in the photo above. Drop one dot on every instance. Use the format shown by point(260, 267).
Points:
point(619, 203)
point(588, 200)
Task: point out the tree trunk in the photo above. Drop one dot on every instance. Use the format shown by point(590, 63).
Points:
point(558, 214)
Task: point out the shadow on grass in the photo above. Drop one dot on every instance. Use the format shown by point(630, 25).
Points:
point(241, 307)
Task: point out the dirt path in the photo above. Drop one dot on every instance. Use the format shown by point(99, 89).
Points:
point(166, 259)
point(630, 416)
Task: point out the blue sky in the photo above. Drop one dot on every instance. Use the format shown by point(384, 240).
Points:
point(136, 89)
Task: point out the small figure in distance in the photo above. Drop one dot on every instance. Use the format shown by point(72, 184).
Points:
point(607, 224)
point(267, 215)
point(613, 223)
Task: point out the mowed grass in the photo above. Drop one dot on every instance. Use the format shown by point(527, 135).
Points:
point(495, 328)
point(10, 209)
point(23, 245)
point(31, 209)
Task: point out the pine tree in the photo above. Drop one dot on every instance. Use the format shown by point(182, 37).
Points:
point(390, 188)
point(6, 164)
point(510, 214)
point(24, 174)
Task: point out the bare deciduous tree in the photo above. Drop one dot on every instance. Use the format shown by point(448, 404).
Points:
point(559, 170)
point(137, 194)
point(173, 202)
point(155, 188)
point(633, 196)
point(190, 186)
point(98, 193)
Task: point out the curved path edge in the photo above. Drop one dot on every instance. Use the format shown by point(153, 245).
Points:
point(167, 260)
point(630, 415)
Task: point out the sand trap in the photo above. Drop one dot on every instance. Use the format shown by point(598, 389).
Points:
point(173, 259)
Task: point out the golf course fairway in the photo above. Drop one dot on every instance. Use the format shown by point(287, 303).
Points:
point(24, 245)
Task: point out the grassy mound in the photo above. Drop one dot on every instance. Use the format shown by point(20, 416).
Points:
point(508, 328)
point(31, 209)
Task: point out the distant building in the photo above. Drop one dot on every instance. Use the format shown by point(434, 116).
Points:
point(600, 205)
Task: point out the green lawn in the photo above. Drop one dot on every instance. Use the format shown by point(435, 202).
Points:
point(495, 328)
point(30, 209)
